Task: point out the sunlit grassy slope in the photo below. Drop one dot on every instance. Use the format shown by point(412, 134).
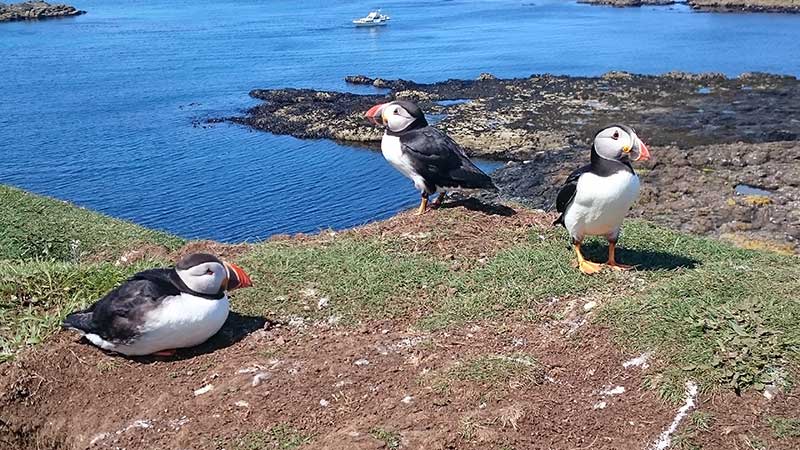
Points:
point(724, 316)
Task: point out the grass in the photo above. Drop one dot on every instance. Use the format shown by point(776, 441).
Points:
point(362, 278)
point(36, 295)
point(784, 427)
point(730, 321)
point(499, 370)
point(282, 437)
point(390, 438)
point(34, 227)
point(711, 312)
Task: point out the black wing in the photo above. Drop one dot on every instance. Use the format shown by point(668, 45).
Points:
point(567, 193)
point(117, 316)
point(441, 161)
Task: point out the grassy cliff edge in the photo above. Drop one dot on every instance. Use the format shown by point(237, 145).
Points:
point(702, 309)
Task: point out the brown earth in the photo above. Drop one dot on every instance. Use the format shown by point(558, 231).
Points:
point(69, 395)
point(260, 383)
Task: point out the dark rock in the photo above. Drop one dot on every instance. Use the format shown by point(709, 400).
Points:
point(35, 10)
point(624, 3)
point(703, 145)
point(358, 79)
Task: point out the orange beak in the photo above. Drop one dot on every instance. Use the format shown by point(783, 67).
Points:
point(644, 153)
point(375, 112)
point(237, 277)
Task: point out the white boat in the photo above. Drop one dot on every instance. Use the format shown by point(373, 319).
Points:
point(373, 19)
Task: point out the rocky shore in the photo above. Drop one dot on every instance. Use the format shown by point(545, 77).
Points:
point(785, 6)
point(35, 11)
point(713, 138)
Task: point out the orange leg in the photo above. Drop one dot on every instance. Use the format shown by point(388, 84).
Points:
point(423, 205)
point(586, 267)
point(170, 352)
point(612, 262)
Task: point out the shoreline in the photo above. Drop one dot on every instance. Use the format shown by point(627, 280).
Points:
point(29, 11)
point(711, 137)
point(712, 6)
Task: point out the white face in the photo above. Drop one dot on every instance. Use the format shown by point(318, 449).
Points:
point(616, 143)
point(205, 278)
point(396, 118)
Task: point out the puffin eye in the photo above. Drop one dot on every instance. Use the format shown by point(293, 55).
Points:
point(209, 272)
point(615, 136)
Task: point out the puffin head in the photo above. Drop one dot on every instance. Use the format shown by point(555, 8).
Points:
point(397, 116)
point(207, 274)
point(620, 143)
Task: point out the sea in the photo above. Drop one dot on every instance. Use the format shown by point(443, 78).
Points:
point(107, 109)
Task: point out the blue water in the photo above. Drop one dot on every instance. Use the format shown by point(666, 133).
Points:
point(98, 109)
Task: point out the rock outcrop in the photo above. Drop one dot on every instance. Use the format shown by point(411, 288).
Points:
point(786, 6)
point(708, 134)
point(35, 11)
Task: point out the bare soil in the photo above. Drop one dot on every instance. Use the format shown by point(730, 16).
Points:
point(378, 384)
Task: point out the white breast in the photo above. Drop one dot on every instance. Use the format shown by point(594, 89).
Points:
point(180, 321)
point(392, 150)
point(601, 204)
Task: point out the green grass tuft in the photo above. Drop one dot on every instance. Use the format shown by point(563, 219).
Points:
point(731, 320)
point(362, 279)
point(784, 427)
point(499, 370)
point(390, 438)
point(34, 227)
point(35, 297)
point(282, 437)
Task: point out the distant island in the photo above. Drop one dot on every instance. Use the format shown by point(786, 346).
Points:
point(790, 6)
point(35, 11)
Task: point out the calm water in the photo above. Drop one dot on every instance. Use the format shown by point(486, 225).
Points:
point(98, 109)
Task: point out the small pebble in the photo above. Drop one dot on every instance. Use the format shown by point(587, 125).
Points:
point(204, 389)
point(361, 362)
point(258, 378)
point(324, 403)
point(590, 306)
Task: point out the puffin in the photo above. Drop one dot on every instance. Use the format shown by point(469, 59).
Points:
point(429, 157)
point(159, 310)
point(595, 198)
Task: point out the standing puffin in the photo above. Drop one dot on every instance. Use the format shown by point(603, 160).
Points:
point(159, 310)
point(430, 158)
point(595, 198)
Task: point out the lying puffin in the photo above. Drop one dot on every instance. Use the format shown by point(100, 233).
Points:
point(430, 158)
point(159, 310)
point(596, 197)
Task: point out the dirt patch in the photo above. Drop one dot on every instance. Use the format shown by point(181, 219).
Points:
point(554, 383)
point(456, 231)
point(338, 388)
point(159, 252)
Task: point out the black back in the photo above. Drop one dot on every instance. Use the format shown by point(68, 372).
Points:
point(118, 315)
point(441, 162)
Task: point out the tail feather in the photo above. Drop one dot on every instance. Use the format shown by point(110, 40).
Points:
point(81, 321)
point(473, 179)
